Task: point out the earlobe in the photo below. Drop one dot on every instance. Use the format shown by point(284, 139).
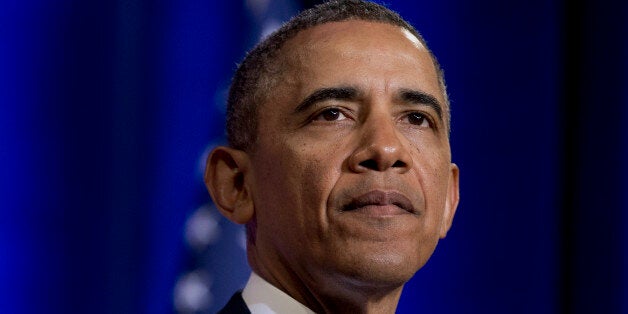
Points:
point(451, 202)
point(225, 179)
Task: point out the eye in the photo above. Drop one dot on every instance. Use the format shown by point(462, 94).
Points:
point(419, 119)
point(330, 114)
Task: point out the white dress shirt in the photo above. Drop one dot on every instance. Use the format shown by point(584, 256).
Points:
point(263, 298)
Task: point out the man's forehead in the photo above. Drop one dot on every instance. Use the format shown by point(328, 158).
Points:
point(325, 49)
point(352, 31)
point(317, 47)
point(357, 53)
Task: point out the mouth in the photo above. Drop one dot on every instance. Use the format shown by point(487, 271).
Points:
point(381, 203)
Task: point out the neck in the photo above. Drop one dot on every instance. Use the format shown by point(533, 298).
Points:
point(365, 300)
point(334, 293)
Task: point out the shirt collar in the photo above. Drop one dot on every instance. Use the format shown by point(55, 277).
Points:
point(263, 298)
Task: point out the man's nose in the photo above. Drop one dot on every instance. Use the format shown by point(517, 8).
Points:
point(380, 148)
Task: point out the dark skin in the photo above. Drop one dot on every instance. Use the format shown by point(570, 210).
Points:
point(350, 181)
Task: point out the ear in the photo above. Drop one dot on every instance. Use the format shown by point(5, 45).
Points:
point(225, 177)
point(451, 202)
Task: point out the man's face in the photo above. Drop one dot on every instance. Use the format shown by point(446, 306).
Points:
point(352, 180)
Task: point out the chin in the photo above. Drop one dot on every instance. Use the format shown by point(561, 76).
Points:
point(385, 269)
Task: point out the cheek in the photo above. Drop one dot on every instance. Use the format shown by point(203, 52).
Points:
point(321, 169)
point(432, 169)
point(294, 181)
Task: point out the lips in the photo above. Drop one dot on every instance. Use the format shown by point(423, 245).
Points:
point(375, 199)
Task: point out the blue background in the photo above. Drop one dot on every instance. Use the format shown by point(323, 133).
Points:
point(108, 108)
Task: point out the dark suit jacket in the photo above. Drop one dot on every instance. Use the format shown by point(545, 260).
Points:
point(235, 305)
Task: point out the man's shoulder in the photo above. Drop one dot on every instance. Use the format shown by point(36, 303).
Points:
point(236, 305)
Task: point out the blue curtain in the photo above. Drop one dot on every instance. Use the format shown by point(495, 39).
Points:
point(108, 108)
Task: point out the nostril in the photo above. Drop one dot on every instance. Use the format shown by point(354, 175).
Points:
point(372, 164)
point(369, 164)
point(399, 164)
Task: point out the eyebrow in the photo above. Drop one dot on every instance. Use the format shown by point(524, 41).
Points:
point(327, 93)
point(419, 97)
point(349, 93)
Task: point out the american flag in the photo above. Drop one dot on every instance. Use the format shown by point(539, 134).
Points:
point(217, 264)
